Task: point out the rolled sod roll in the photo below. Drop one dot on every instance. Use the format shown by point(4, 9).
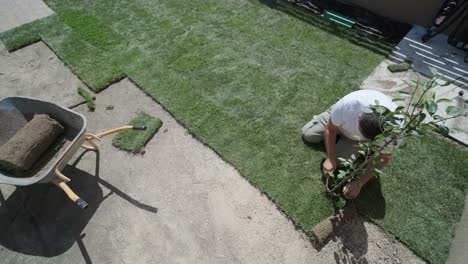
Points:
point(27, 146)
point(324, 230)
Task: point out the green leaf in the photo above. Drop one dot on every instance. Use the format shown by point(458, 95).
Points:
point(431, 107)
point(447, 83)
point(452, 110)
point(424, 100)
point(379, 137)
point(404, 93)
point(380, 109)
point(430, 84)
point(399, 108)
point(443, 130)
point(421, 118)
point(397, 99)
point(444, 100)
point(438, 117)
point(378, 171)
point(433, 71)
point(341, 174)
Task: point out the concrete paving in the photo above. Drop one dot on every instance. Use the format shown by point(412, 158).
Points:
point(435, 53)
point(391, 83)
point(14, 13)
point(177, 203)
point(433, 56)
point(448, 61)
point(458, 252)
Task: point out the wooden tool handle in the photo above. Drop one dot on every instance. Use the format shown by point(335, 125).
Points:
point(71, 194)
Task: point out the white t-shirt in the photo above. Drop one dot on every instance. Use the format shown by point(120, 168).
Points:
point(346, 112)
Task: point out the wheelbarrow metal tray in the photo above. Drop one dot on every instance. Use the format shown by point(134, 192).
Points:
point(74, 125)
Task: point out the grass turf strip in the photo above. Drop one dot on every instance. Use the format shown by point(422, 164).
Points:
point(88, 98)
point(135, 140)
point(244, 78)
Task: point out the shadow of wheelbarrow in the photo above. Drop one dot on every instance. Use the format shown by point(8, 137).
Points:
point(38, 220)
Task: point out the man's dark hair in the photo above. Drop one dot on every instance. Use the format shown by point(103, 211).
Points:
point(370, 125)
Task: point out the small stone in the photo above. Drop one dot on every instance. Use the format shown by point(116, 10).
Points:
point(461, 93)
point(399, 67)
point(249, 217)
point(143, 152)
point(165, 130)
point(110, 107)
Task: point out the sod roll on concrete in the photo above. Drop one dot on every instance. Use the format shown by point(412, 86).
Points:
point(26, 147)
point(325, 230)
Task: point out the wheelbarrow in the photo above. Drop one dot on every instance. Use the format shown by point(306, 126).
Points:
point(48, 168)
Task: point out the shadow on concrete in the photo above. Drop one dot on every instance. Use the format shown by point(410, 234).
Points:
point(354, 237)
point(40, 220)
point(112, 188)
point(366, 42)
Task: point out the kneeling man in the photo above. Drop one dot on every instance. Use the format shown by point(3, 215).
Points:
point(350, 119)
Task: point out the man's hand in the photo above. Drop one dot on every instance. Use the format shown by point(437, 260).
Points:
point(352, 189)
point(329, 166)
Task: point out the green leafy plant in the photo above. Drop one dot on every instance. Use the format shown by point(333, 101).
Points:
point(398, 125)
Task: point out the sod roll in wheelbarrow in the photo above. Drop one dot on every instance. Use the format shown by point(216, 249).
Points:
point(26, 147)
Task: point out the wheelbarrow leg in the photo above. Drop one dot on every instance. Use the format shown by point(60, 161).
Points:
point(71, 194)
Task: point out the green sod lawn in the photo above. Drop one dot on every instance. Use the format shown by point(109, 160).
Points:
point(244, 78)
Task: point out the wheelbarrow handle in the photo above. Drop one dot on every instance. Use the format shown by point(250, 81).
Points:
point(139, 127)
point(90, 137)
point(71, 194)
point(122, 128)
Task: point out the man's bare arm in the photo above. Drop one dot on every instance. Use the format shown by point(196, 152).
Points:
point(330, 145)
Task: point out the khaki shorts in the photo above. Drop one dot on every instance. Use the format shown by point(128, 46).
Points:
point(313, 132)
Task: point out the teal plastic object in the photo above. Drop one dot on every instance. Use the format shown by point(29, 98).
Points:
point(339, 19)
